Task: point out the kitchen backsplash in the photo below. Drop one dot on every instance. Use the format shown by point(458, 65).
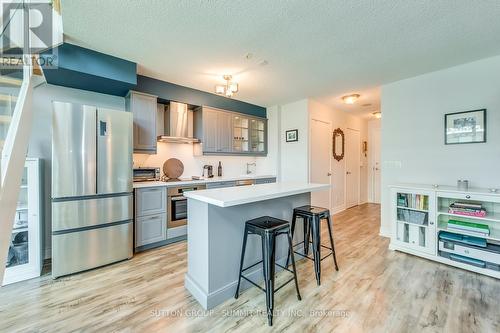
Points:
point(232, 165)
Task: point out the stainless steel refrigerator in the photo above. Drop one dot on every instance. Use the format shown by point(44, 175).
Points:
point(91, 187)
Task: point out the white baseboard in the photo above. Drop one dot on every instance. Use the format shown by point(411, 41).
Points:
point(338, 209)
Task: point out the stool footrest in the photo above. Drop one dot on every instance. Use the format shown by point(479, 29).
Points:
point(264, 290)
point(255, 284)
point(303, 255)
point(259, 262)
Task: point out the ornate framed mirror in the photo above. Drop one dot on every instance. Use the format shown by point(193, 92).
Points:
point(338, 144)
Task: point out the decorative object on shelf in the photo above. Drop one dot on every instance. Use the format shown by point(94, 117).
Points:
point(365, 147)
point(350, 99)
point(228, 89)
point(463, 184)
point(338, 144)
point(292, 135)
point(465, 127)
point(377, 114)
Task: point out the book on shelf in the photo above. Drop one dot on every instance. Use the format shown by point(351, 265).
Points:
point(470, 205)
point(414, 201)
point(466, 209)
point(476, 228)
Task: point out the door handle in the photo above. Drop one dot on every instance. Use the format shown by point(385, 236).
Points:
point(348, 173)
point(329, 174)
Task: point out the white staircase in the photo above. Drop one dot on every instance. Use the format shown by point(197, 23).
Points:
point(16, 117)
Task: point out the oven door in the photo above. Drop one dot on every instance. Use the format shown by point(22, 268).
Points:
point(178, 211)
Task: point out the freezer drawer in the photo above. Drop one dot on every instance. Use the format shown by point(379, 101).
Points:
point(78, 251)
point(91, 212)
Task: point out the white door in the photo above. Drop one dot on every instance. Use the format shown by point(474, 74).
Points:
point(321, 138)
point(375, 164)
point(352, 155)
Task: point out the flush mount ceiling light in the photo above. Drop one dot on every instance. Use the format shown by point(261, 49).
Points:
point(377, 114)
point(350, 99)
point(229, 89)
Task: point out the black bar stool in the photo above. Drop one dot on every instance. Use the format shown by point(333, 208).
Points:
point(268, 228)
point(312, 216)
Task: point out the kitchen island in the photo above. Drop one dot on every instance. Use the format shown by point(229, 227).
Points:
point(215, 234)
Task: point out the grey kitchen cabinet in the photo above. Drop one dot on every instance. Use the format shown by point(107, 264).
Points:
point(221, 184)
point(150, 215)
point(144, 110)
point(214, 128)
point(150, 200)
point(150, 229)
point(229, 133)
point(265, 180)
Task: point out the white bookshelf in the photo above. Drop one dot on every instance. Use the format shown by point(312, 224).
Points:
point(423, 239)
point(24, 259)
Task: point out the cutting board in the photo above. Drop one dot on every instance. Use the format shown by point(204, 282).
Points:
point(173, 168)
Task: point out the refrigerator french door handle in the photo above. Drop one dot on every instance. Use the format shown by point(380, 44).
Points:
point(103, 130)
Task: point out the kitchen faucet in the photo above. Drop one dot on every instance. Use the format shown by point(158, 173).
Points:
point(248, 167)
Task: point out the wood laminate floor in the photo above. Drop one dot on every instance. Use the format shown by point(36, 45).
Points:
point(376, 290)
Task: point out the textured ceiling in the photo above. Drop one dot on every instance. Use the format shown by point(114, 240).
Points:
point(321, 49)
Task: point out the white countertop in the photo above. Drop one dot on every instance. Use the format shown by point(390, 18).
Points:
point(199, 181)
point(232, 196)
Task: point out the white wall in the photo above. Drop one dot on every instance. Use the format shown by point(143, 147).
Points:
point(294, 156)
point(413, 110)
point(373, 156)
point(343, 120)
point(40, 145)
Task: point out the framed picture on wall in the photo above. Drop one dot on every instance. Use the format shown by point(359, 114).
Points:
point(465, 127)
point(292, 135)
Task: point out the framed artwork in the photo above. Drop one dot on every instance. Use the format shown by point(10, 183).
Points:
point(292, 135)
point(465, 127)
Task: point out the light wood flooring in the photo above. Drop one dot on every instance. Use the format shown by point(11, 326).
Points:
point(376, 290)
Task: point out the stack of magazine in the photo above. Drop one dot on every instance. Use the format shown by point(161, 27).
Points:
point(467, 209)
point(476, 229)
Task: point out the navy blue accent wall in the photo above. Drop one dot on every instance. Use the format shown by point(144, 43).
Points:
point(86, 69)
point(173, 92)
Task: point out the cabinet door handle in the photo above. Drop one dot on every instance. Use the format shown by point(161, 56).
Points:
point(467, 196)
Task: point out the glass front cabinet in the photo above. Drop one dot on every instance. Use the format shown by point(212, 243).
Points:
point(241, 134)
point(258, 135)
point(249, 135)
point(24, 259)
point(413, 213)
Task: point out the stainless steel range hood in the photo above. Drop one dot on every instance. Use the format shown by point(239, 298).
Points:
point(178, 123)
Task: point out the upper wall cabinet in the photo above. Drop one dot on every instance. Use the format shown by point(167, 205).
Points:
point(228, 133)
point(143, 107)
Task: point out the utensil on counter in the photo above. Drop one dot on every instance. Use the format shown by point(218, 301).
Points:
point(173, 168)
